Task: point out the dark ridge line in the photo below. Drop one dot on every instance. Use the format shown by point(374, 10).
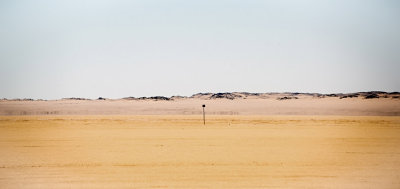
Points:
point(238, 95)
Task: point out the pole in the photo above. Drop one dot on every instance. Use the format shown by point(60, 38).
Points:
point(204, 115)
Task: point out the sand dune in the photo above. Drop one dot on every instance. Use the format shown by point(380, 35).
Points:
point(217, 104)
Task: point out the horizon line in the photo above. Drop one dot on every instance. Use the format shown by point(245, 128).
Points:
point(201, 93)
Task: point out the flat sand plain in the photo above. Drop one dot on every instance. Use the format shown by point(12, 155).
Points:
point(303, 106)
point(178, 151)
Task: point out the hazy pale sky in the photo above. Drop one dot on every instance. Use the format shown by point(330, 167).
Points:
point(53, 49)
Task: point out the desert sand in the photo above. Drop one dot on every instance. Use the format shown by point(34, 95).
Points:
point(263, 104)
point(180, 152)
point(263, 142)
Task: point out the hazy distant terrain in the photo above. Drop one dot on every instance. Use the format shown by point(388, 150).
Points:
point(363, 103)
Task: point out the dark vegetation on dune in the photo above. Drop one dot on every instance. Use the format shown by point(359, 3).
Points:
point(369, 96)
point(74, 98)
point(156, 98)
point(229, 96)
point(287, 98)
point(354, 95)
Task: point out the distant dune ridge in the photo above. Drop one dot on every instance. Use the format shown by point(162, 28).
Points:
point(377, 103)
point(244, 95)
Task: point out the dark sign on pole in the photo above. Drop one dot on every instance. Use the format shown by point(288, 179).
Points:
point(204, 115)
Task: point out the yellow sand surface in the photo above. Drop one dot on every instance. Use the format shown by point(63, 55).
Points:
point(178, 151)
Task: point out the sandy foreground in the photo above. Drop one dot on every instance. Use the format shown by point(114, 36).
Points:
point(177, 151)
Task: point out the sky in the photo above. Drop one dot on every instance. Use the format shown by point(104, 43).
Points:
point(51, 49)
